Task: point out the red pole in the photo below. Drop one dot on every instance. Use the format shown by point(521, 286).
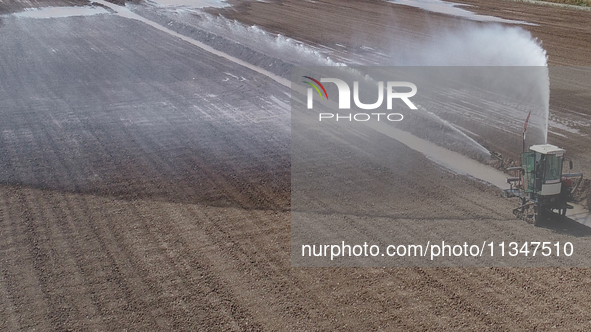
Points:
point(524, 129)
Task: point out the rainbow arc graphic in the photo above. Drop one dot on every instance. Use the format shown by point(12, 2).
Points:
point(316, 87)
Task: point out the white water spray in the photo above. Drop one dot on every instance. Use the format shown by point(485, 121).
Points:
point(472, 44)
point(491, 45)
point(252, 37)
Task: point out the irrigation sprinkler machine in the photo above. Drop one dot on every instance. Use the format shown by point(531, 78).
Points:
point(540, 184)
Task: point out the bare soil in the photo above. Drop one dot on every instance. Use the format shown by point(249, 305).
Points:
point(143, 188)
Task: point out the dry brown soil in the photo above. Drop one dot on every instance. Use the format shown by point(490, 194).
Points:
point(112, 220)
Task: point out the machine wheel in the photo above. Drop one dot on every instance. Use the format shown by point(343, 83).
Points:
point(529, 213)
point(520, 211)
